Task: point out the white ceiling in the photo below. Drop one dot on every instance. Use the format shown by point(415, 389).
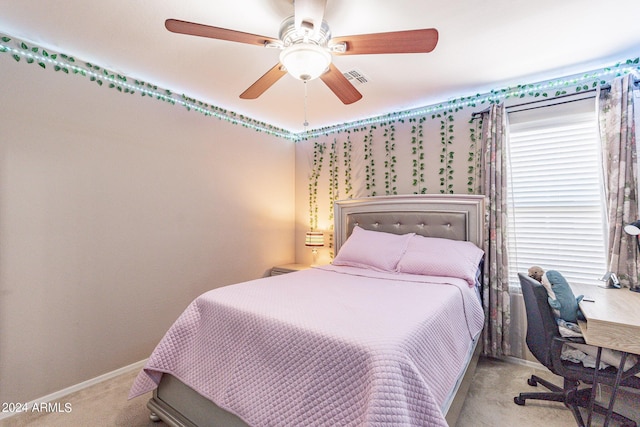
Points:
point(483, 45)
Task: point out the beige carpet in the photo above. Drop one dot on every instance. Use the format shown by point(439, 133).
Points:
point(489, 403)
point(490, 399)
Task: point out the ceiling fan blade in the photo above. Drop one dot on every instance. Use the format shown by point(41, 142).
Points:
point(193, 29)
point(410, 41)
point(339, 85)
point(264, 82)
point(309, 13)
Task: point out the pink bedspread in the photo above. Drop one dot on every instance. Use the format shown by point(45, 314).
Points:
point(330, 346)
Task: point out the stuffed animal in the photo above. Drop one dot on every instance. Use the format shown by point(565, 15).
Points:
point(536, 273)
point(561, 297)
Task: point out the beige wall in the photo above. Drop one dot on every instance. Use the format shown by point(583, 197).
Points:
point(115, 212)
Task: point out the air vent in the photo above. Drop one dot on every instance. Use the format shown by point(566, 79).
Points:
point(356, 77)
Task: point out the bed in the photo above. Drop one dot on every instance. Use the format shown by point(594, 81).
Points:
point(346, 344)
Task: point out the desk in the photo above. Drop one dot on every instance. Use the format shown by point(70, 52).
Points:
point(612, 321)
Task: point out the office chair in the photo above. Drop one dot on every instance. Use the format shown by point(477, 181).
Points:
point(545, 343)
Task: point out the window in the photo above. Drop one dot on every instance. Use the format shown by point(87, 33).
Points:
point(555, 192)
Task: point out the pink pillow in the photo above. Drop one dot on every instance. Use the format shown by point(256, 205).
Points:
point(374, 250)
point(431, 256)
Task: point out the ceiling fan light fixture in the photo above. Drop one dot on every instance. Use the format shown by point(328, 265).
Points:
point(305, 61)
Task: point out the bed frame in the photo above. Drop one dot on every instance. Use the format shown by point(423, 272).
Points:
point(457, 217)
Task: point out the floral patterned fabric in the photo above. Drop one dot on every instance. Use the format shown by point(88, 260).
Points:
point(492, 183)
point(617, 133)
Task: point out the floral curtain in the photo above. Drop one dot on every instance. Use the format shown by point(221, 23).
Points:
point(492, 183)
point(617, 133)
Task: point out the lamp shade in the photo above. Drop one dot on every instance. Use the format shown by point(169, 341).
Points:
point(314, 239)
point(633, 228)
point(305, 61)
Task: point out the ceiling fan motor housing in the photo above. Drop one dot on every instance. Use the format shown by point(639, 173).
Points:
point(306, 33)
point(305, 54)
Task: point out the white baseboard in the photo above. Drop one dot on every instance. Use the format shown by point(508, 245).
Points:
point(81, 386)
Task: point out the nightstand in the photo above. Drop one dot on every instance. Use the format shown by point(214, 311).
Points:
point(288, 268)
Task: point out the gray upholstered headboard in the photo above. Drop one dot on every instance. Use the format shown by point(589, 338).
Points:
point(450, 216)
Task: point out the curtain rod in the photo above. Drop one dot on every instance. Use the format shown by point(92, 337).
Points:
point(603, 87)
point(537, 101)
point(557, 100)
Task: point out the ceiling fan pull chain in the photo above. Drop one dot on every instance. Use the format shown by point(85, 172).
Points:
point(306, 123)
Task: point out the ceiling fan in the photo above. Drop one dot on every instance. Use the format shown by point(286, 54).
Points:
point(307, 47)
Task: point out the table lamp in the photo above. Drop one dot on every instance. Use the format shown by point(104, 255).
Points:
point(634, 230)
point(314, 240)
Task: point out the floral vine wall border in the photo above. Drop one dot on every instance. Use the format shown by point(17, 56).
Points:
point(447, 156)
point(390, 175)
point(314, 177)
point(370, 166)
point(473, 158)
point(418, 152)
point(69, 65)
point(105, 78)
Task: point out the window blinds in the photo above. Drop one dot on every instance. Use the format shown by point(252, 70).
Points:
point(555, 195)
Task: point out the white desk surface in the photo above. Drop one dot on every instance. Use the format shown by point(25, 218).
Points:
point(613, 319)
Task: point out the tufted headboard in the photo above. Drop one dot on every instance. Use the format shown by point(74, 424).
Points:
point(450, 216)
